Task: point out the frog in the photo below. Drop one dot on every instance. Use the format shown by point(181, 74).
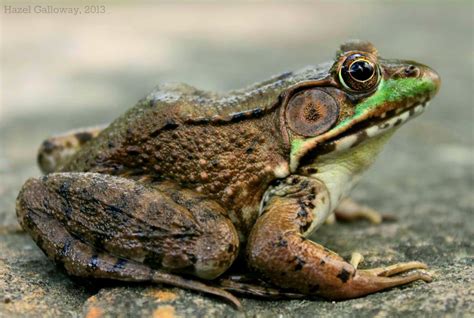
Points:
point(189, 183)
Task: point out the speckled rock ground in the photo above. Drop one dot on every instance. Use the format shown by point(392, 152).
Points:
point(63, 71)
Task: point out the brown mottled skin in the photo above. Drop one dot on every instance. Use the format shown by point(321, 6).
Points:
point(231, 163)
point(174, 186)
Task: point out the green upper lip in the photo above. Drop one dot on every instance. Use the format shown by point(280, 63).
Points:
point(392, 94)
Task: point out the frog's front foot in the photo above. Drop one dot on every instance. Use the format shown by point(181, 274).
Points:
point(278, 250)
point(389, 271)
point(350, 211)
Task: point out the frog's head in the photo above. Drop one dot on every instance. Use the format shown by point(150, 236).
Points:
point(363, 96)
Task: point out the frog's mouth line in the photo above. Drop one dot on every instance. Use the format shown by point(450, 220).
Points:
point(371, 127)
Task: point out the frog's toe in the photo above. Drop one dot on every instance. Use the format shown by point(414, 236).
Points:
point(356, 259)
point(350, 211)
point(369, 280)
point(395, 269)
point(255, 287)
point(366, 282)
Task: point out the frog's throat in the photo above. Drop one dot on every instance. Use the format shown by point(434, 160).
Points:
point(412, 103)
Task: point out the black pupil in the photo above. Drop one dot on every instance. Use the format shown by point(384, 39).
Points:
point(361, 70)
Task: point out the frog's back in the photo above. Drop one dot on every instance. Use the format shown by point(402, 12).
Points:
point(171, 136)
point(227, 146)
point(173, 105)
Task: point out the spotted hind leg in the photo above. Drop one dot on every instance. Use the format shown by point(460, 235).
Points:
point(57, 149)
point(101, 226)
point(80, 259)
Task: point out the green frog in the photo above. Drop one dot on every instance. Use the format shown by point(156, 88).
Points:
point(189, 182)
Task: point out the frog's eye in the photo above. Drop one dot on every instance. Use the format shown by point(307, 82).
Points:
point(359, 73)
point(311, 112)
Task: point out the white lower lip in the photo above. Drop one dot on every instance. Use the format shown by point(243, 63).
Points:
point(401, 116)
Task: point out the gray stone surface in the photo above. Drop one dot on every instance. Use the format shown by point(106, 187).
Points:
point(61, 72)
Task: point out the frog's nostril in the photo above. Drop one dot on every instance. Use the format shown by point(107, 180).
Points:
point(412, 70)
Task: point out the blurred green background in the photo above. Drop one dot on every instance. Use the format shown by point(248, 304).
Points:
point(61, 71)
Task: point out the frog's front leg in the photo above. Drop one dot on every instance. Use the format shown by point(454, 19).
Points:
point(103, 226)
point(278, 249)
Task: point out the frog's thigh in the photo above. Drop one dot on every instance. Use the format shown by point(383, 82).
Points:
point(279, 251)
point(59, 148)
point(162, 227)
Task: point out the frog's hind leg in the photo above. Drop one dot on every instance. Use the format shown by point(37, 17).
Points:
point(56, 150)
point(102, 226)
point(80, 259)
point(250, 286)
